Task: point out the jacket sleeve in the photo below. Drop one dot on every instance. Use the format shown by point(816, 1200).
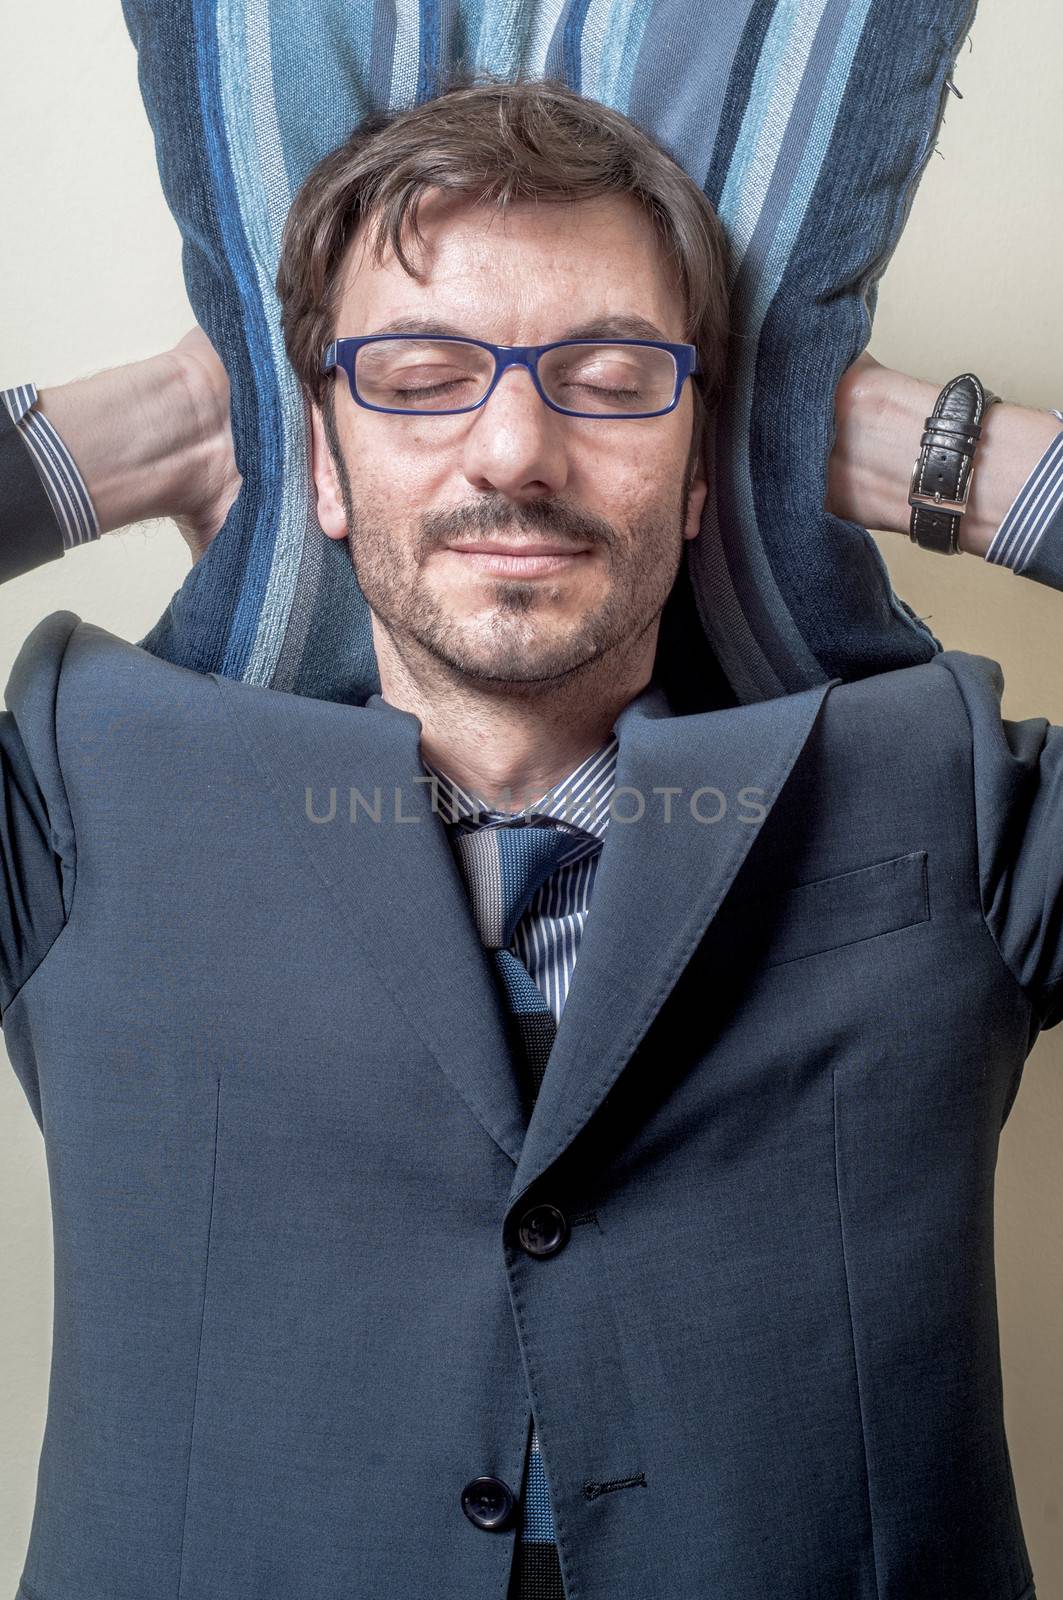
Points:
point(1017, 770)
point(30, 531)
point(37, 856)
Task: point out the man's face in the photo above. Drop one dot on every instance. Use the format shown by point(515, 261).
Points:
point(609, 490)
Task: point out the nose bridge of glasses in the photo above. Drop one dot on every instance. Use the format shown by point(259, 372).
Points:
point(517, 355)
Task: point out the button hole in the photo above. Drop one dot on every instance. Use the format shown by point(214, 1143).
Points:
point(593, 1490)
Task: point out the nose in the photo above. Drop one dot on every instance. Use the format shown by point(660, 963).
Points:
point(517, 445)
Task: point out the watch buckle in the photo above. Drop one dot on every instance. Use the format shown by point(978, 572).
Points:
point(937, 502)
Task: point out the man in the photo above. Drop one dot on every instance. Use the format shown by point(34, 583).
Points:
point(368, 1282)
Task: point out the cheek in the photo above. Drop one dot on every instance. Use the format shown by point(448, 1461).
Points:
point(643, 489)
point(388, 491)
point(639, 468)
point(408, 467)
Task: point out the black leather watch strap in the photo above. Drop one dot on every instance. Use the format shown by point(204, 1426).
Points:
point(941, 477)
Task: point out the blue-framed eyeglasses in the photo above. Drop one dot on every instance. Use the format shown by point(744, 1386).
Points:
point(413, 374)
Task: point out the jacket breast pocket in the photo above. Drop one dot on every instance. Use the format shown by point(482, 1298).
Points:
point(810, 918)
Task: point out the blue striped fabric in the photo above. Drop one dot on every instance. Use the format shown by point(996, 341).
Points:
point(808, 123)
point(63, 483)
point(546, 940)
point(1035, 506)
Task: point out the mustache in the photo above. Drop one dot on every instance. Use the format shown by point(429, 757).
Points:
point(538, 516)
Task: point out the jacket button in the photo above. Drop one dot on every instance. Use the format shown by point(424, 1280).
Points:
point(488, 1502)
point(543, 1230)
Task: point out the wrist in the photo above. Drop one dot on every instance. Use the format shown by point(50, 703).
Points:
point(212, 483)
point(139, 435)
point(880, 418)
point(881, 415)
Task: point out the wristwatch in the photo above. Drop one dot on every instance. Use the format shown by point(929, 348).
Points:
point(941, 477)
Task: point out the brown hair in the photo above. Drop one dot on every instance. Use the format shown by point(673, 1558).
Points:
point(498, 141)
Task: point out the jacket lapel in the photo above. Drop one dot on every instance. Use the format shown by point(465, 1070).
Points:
point(404, 914)
point(660, 881)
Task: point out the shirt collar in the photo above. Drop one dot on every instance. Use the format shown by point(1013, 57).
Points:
point(580, 799)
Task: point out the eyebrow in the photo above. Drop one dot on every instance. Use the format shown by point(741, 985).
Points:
point(614, 327)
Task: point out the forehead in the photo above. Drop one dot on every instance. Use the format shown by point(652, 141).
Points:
point(535, 269)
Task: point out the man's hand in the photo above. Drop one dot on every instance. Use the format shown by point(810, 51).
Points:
point(880, 416)
point(208, 386)
point(153, 439)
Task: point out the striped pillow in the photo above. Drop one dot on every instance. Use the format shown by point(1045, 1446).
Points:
point(807, 122)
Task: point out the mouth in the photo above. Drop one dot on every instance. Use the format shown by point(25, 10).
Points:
point(520, 560)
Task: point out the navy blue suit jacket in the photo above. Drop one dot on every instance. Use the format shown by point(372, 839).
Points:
point(288, 1164)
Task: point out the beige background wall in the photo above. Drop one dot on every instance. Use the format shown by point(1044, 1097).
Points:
point(90, 277)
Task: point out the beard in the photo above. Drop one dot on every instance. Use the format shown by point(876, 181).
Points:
point(507, 633)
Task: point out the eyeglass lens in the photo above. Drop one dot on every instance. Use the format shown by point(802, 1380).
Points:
point(443, 375)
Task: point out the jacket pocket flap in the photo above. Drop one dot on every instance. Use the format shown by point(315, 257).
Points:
point(810, 918)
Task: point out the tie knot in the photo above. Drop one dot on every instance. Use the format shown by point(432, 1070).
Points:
point(503, 866)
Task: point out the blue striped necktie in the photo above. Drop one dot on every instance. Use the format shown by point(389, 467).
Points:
point(503, 866)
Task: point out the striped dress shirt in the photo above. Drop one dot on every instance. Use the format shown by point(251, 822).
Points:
point(1033, 508)
point(1038, 501)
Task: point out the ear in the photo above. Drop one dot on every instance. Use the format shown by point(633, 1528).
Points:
point(330, 512)
point(695, 505)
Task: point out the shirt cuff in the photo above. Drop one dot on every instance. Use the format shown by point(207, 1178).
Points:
point(1037, 504)
point(63, 483)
